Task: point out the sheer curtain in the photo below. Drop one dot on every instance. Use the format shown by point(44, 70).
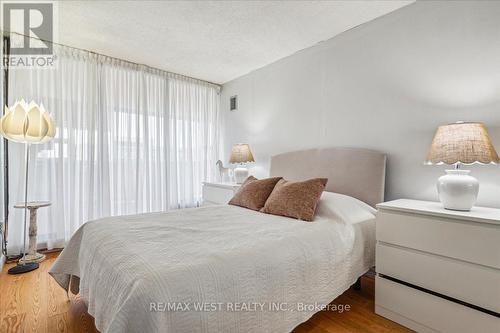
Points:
point(130, 139)
point(2, 160)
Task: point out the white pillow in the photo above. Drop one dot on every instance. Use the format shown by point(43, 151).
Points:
point(348, 209)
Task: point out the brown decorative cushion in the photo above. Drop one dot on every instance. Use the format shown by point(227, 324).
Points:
point(253, 193)
point(295, 199)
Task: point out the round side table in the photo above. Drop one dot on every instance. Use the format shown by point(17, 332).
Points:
point(33, 206)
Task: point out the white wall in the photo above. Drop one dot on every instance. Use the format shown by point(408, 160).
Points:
point(384, 85)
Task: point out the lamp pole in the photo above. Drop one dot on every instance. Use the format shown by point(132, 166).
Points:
point(27, 145)
point(23, 266)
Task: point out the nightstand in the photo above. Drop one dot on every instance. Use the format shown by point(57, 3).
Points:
point(218, 193)
point(438, 270)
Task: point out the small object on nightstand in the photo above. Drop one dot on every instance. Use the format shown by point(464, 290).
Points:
point(32, 255)
point(438, 270)
point(224, 173)
point(218, 193)
point(241, 154)
point(457, 144)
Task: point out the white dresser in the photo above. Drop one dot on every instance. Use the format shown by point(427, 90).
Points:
point(218, 193)
point(438, 270)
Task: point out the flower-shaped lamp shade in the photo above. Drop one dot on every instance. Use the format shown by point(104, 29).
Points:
point(241, 153)
point(27, 123)
point(462, 142)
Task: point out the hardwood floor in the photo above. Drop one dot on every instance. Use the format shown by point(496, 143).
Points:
point(33, 302)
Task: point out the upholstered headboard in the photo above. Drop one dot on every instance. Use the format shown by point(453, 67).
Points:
point(356, 172)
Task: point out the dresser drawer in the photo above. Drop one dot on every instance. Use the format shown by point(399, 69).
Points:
point(217, 195)
point(474, 242)
point(400, 303)
point(474, 284)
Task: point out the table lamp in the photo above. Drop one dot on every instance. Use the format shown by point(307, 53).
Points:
point(28, 124)
point(457, 144)
point(240, 154)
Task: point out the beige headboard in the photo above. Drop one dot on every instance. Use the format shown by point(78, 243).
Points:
point(356, 172)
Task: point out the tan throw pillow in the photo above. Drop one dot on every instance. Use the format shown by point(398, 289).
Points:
point(253, 193)
point(295, 199)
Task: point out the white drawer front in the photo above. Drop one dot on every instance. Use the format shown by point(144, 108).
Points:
point(473, 242)
point(474, 284)
point(427, 313)
point(216, 195)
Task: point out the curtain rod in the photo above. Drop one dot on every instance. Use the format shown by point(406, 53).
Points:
point(104, 55)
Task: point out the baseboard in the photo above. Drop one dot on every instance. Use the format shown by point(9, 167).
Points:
point(2, 261)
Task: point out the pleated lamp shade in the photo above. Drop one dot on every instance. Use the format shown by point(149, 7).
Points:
point(462, 142)
point(27, 123)
point(241, 153)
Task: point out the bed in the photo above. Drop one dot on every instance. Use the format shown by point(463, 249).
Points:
point(226, 268)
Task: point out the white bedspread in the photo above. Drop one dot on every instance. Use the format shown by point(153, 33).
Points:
point(224, 258)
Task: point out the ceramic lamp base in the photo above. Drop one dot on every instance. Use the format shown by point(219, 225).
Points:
point(457, 190)
point(240, 174)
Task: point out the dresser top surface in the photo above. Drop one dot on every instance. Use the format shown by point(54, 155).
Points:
point(222, 185)
point(432, 208)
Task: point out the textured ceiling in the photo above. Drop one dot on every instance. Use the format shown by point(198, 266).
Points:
point(212, 40)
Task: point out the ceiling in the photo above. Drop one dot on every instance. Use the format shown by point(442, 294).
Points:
point(215, 41)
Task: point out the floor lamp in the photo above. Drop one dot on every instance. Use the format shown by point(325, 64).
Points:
point(28, 124)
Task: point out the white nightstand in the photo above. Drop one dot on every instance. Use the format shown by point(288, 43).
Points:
point(218, 193)
point(438, 270)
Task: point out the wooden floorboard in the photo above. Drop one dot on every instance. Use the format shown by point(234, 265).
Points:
point(33, 302)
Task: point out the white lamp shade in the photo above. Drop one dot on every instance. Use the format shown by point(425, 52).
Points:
point(27, 123)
